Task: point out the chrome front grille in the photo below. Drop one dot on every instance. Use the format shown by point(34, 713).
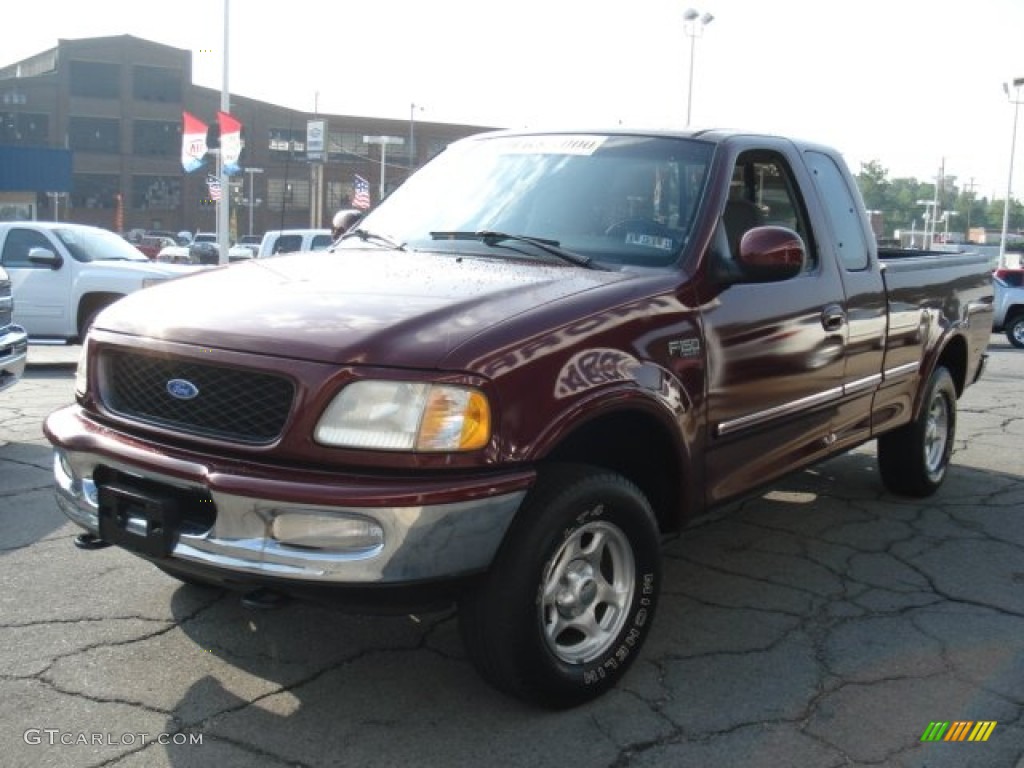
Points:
point(6, 304)
point(231, 404)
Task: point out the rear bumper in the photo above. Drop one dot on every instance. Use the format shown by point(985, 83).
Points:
point(264, 525)
point(13, 355)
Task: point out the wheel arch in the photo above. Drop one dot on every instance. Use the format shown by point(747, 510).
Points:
point(635, 442)
point(89, 304)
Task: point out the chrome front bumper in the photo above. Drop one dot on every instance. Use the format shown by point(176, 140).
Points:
point(13, 354)
point(343, 544)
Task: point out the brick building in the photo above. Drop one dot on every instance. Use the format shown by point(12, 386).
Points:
point(116, 103)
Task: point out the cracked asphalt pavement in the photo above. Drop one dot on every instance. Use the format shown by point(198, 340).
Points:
point(821, 623)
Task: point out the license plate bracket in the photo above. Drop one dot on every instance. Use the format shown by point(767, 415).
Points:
point(143, 521)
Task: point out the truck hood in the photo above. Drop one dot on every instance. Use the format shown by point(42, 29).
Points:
point(139, 269)
point(365, 307)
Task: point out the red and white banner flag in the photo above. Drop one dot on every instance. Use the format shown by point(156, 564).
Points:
point(230, 142)
point(193, 142)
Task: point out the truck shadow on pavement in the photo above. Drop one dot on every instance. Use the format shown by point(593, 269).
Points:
point(823, 622)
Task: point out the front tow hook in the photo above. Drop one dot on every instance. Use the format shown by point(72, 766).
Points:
point(264, 599)
point(89, 541)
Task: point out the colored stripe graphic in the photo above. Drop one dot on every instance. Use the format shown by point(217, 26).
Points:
point(959, 730)
point(982, 730)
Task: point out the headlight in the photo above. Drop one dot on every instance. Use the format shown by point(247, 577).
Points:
point(82, 371)
point(405, 416)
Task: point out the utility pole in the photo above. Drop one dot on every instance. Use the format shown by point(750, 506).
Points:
point(225, 197)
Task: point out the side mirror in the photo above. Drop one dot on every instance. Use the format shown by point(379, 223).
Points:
point(45, 257)
point(770, 254)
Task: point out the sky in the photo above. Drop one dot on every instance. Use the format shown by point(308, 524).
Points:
point(915, 85)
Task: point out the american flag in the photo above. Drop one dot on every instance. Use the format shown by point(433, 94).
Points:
point(213, 184)
point(361, 193)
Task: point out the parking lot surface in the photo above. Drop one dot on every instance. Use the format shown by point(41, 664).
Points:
point(820, 623)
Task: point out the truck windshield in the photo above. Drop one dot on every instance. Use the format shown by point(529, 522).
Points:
point(613, 200)
point(94, 244)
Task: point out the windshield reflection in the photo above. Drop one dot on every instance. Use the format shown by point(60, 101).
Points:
point(95, 244)
point(620, 200)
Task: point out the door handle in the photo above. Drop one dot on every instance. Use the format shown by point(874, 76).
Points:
point(832, 318)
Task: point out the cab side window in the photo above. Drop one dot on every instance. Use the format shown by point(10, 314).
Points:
point(17, 245)
point(762, 192)
point(843, 210)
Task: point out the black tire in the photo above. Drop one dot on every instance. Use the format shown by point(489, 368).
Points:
point(571, 595)
point(1015, 331)
point(88, 319)
point(914, 458)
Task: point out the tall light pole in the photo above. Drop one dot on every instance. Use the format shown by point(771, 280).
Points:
point(383, 141)
point(1015, 100)
point(693, 25)
point(412, 135)
point(225, 106)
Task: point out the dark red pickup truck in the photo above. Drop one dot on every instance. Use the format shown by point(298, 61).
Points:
point(541, 354)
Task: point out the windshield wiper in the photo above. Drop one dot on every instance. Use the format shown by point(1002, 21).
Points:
point(490, 237)
point(365, 235)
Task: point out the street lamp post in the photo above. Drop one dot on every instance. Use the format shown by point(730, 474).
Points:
point(1017, 83)
point(693, 25)
point(383, 141)
point(412, 135)
point(929, 217)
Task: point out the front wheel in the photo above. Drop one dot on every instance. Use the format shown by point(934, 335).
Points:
point(570, 597)
point(914, 458)
point(1015, 331)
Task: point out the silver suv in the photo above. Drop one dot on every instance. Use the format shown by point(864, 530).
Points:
point(1009, 304)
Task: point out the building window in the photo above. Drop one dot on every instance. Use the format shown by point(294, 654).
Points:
point(282, 139)
point(346, 147)
point(282, 194)
point(94, 190)
point(436, 146)
point(95, 79)
point(24, 128)
point(95, 134)
point(155, 192)
point(156, 138)
point(156, 84)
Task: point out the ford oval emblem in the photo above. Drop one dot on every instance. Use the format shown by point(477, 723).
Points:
point(182, 389)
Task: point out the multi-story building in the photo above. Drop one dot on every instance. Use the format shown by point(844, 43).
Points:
point(116, 103)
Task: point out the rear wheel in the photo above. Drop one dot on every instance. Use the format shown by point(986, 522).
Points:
point(1015, 331)
point(570, 597)
point(914, 458)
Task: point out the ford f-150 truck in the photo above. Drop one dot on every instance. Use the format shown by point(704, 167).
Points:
point(64, 274)
point(540, 355)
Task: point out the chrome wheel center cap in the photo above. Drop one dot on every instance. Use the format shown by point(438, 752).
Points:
point(577, 591)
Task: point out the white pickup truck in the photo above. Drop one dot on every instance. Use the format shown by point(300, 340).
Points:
point(63, 274)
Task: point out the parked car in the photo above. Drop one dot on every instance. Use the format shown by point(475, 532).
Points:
point(280, 241)
point(252, 242)
point(204, 248)
point(537, 357)
point(1009, 304)
point(13, 339)
point(151, 246)
point(64, 274)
